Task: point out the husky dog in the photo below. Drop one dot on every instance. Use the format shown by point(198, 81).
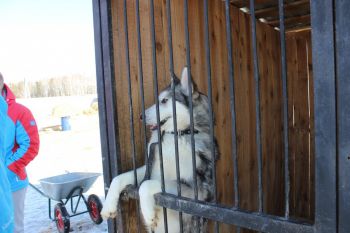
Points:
point(153, 214)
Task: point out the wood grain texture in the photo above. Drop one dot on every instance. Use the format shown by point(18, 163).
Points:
point(301, 124)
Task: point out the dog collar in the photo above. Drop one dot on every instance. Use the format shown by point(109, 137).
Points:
point(185, 131)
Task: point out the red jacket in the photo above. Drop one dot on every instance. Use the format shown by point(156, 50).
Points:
point(22, 141)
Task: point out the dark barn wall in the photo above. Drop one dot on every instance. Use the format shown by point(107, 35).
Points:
point(271, 99)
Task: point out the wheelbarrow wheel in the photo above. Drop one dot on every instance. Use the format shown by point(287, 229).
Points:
point(95, 207)
point(62, 218)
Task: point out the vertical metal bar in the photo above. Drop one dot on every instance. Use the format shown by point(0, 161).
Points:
point(131, 112)
point(232, 100)
point(232, 104)
point(101, 89)
point(106, 86)
point(188, 61)
point(50, 209)
point(325, 116)
point(210, 99)
point(257, 105)
point(171, 66)
point(139, 50)
point(342, 30)
point(172, 74)
point(106, 95)
point(285, 106)
point(155, 87)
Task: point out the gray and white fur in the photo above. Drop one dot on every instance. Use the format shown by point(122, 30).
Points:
point(153, 214)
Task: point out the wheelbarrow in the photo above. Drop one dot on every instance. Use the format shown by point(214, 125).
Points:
point(62, 189)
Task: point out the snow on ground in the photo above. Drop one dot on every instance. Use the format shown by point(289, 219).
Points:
point(77, 150)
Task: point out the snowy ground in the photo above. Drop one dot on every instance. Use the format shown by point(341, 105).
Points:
point(77, 150)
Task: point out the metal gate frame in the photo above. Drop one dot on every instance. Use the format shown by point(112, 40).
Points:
point(331, 50)
point(342, 38)
point(106, 94)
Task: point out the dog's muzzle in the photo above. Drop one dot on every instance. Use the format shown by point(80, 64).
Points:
point(155, 127)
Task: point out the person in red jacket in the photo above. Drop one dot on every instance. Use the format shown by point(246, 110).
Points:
point(22, 145)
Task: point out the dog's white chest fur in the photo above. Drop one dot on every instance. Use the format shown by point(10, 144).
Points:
point(169, 159)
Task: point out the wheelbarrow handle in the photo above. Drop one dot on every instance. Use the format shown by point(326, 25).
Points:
point(38, 190)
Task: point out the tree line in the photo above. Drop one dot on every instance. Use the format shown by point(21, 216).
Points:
point(57, 86)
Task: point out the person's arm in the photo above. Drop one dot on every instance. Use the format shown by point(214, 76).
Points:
point(27, 141)
point(6, 213)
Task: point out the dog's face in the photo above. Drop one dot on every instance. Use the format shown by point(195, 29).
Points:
point(166, 106)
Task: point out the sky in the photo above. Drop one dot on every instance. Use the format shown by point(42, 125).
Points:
point(46, 38)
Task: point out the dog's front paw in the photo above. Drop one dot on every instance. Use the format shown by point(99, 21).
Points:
point(109, 210)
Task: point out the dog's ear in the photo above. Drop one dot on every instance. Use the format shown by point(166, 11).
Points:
point(184, 82)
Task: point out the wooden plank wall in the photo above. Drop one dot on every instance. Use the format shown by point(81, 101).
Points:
point(271, 103)
point(301, 123)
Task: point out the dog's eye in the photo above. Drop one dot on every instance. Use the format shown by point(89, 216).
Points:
point(164, 100)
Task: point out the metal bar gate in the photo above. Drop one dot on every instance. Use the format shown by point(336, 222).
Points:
point(332, 111)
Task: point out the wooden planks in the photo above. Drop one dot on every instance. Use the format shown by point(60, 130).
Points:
point(271, 118)
point(271, 102)
point(297, 12)
point(300, 7)
point(301, 127)
point(260, 4)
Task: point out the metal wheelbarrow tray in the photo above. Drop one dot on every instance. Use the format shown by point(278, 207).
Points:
point(63, 189)
point(59, 187)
